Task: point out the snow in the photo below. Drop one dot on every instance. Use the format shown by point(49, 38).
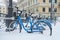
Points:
point(15, 35)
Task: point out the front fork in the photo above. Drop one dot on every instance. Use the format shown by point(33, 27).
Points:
point(20, 28)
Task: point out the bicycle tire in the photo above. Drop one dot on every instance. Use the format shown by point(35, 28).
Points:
point(15, 27)
point(47, 23)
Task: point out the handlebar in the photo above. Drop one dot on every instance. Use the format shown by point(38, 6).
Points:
point(31, 14)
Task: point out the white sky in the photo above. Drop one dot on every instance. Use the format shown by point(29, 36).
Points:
point(15, 0)
point(2, 2)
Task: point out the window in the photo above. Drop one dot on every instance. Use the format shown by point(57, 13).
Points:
point(29, 3)
point(3, 11)
point(0, 11)
point(55, 1)
point(35, 1)
point(0, 7)
point(50, 1)
point(36, 9)
point(3, 8)
point(43, 9)
point(55, 10)
point(43, 0)
point(49, 9)
point(21, 0)
point(32, 2)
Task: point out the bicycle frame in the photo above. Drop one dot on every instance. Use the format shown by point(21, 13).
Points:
point(22, 25)
point(32, 23)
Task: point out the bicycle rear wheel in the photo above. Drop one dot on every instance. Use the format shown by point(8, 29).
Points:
point(44, 26)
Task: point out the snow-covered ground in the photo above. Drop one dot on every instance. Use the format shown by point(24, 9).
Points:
point(15, 35)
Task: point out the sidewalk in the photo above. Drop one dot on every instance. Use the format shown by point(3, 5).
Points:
point(15, 35)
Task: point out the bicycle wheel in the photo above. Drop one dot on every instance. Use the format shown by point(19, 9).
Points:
point(14, 26)
point(44, 26)
point(28, 27)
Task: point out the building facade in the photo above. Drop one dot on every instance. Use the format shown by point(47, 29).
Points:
point(3, 8)
point(42, 7)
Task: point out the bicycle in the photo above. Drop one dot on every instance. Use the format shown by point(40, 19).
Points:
point(31, 25)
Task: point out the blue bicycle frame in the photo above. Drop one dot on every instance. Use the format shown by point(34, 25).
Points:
point(32, 24)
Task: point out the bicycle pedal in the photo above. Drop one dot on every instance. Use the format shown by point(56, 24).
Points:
point(41, 32)
point(30, 32)
point(6, 30)
point(19, 31)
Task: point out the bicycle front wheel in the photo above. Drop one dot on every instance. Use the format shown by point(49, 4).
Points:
point(14, 26)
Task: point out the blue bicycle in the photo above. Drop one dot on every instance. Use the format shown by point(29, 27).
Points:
point(31, 25)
